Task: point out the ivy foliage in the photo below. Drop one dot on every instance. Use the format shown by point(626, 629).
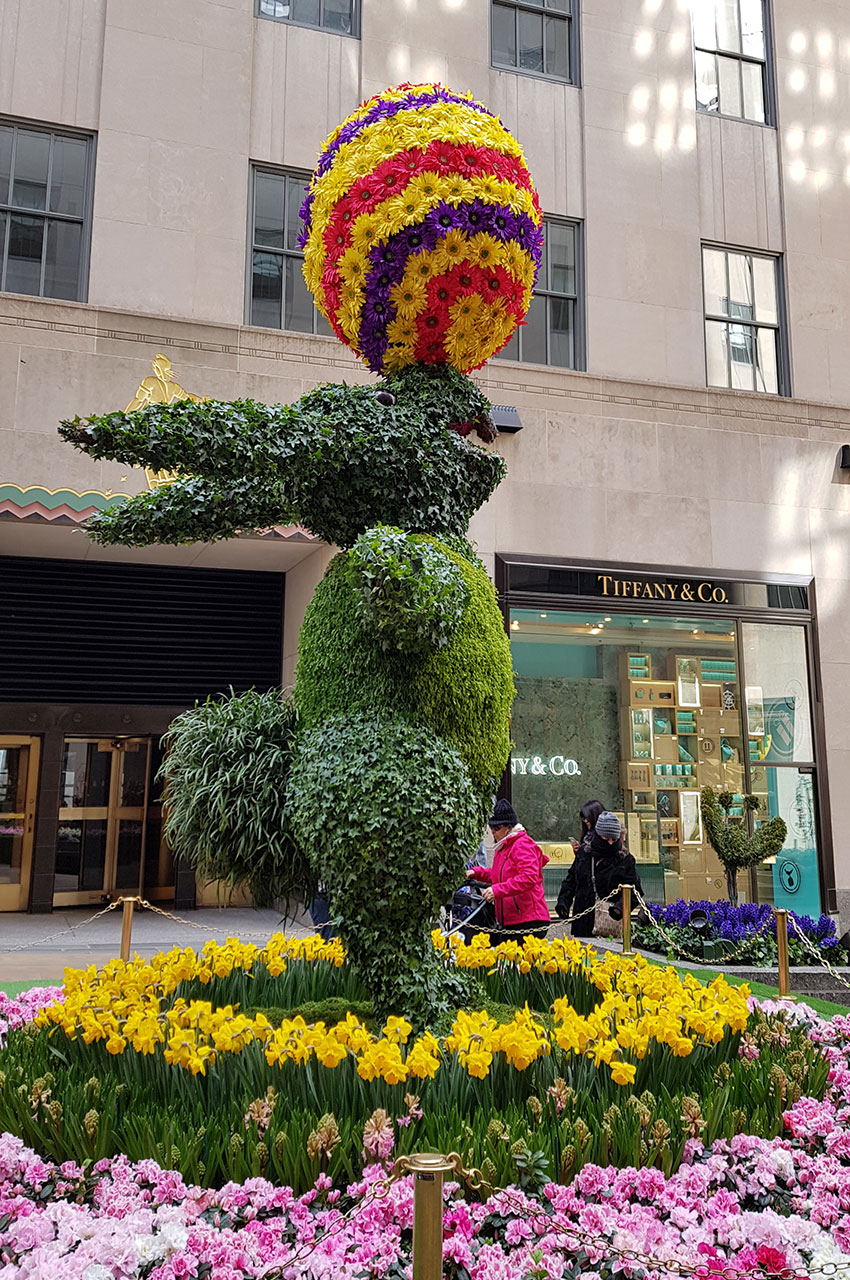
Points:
point(407, 592)
point(462, 691)
point(338, 461)
point(731, 840)
point(388, 813)
point(226, 771)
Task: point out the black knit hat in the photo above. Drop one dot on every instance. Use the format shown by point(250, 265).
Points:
point(503, 815)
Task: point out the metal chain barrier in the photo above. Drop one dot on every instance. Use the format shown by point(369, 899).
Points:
point(379, 1189)
point(615, 893)
point(26, 946)
point(672, 1266)
point(687, 955)
point(821, 959)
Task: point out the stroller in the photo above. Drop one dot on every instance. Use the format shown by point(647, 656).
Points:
point(469, 914)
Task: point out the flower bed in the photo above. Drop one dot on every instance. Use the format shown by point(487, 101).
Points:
point(749, 929)
point(749, 1206)
point(172, 1060)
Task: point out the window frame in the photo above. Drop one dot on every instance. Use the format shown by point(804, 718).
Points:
point(284, 172)
point(52, 131)
point(783, 356)
point(353, 34)
point(766, 63)
point(580, 299)
point(573, 78)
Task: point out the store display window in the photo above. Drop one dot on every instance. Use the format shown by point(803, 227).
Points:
point(641, 712)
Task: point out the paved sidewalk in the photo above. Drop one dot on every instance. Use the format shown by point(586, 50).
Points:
point(29, 947)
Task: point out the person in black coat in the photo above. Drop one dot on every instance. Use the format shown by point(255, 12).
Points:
point(602, 858)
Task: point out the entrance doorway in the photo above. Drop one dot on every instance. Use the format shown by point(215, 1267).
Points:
point(104, 814)
point(18, 791)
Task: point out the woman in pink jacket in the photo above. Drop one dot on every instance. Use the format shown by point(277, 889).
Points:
point(515, 880)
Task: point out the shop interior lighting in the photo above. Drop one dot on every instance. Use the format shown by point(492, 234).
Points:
point(607, 619)
point(594, 631)
point(514, 625)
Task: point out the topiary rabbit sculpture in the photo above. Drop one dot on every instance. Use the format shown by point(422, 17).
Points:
point(422, 241)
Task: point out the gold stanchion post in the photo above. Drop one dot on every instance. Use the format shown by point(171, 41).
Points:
point(782, 955)
point(428, 1169)
point(627, 920)
point(127, 927)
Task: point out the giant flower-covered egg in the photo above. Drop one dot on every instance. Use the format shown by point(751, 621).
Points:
point(422, 230)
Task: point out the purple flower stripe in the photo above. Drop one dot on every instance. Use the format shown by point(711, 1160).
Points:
point(383, 110)
point(389, 260)
point(736, 924)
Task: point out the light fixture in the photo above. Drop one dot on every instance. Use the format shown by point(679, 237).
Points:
point(544, 615)
point(514, 625)
point(695, 631)
point(505, 418)
point(645, 619)
point(607, 619)
point(594, 631)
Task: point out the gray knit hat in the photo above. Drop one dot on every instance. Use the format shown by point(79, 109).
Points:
point(608, 826)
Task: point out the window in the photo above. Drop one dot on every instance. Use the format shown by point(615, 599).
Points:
point(340, 16)
point(730, 53)
point(535, 36)
point(743, 336)
point(553, 332)
point(280, 298)
point(44, 211)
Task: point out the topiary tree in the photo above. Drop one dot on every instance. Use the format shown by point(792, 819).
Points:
point(422, 240)
point(731, 840)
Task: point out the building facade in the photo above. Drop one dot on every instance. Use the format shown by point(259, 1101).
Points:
point(671, 543)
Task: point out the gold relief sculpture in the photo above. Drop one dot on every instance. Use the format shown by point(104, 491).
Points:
point(160, 389)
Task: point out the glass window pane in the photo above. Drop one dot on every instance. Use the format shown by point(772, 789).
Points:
point(296, 191)
point(13, 779)
point(557, 47)
point(298, 301)
point(274, 8)
point(32, 153)
point(305, 11)
point(530, 41)
point(767, 376)
point(779, 721)
point(563, 6)
point(716, 367)
point(752, 76)
point(728, 31)
point(729, 86)
point(714, 282)
point(510, 351)
point(706, 66)
point(11, 849)
point(134, 772)
point(790, 795)
point(504, 36)
point(705, 30)
point(5, 162)
point(128, 864)
point(764, 281)
point(268, 210)
point(338, 15)
point(740, 286)
point(561, 241)
point(562, 333)
point(742, 357)
point(266, 290)
point(322, 326)
point(2, 247)
point(62, 260)
point(752, 27)
point(68, 176)
point(23, 267)
point(534, 333)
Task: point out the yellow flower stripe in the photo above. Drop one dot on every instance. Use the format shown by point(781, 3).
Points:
point(406, 208)
point(642, 1006)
